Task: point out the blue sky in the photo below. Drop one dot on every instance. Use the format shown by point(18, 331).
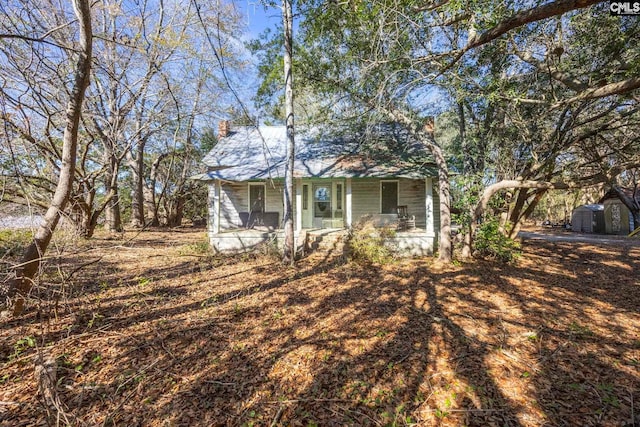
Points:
point(257, 17)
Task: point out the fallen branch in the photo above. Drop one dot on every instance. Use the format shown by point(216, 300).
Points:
point(46, 377)
point(278, 416)
point(86, 264)
point(633, 415)
point(272, 402)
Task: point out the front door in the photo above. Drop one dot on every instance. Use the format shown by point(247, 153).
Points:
point(321, 204)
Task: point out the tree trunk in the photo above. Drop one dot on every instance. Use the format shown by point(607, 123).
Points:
point(467, 241)
point(488, 192)
point(153, 205)
point(467, 168)
point(516, 221)
point(151, 209)
point(137, 196)
point(21, 285)
point(81, 214)
point(445, 247)
point(288, 255)
point(518, 206)
point(175, 211)
point(112, 209)
point(84, 216)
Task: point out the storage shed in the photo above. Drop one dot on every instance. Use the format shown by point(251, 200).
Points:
point(618, 219)
point(588, 219)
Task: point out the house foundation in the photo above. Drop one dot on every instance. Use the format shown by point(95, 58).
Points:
point(416, 243)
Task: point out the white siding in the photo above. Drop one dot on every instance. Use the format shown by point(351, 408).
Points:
point(234, 198)
point(212, 208)
point(436, 208)
point(366, 198)
point(412, 194)
point(275, 198)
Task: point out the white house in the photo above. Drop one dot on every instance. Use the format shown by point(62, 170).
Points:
point(339, 180)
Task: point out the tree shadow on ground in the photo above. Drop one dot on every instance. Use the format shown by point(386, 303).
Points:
point(550, 341)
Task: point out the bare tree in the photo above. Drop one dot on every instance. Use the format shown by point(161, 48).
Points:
point(288, 255)
point(28, 269)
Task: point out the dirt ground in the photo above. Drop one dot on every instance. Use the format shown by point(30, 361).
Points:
point(147, 329)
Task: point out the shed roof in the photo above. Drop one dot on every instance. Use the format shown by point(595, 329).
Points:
point(611, 194)
point(250, 153)
point(592, 207)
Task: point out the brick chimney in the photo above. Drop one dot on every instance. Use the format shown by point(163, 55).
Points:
point(224, 127)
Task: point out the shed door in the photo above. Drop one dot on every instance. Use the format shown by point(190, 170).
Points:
point(587, 221)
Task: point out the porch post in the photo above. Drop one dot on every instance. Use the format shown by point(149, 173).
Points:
point(428, 204)
point(298, 204)
point(348, 216)
point(214, 207)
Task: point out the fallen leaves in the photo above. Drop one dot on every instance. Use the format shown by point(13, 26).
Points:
point(162, 335)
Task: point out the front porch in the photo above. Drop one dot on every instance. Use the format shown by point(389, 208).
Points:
point(413, 243)
point(245, 215)
point(321, 203)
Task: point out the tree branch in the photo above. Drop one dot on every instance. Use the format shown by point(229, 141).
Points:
point(616, 88)
point(519, 19)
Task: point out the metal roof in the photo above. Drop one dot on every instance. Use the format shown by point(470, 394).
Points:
point(251, 153)
point(611, 194)
point(592, 207)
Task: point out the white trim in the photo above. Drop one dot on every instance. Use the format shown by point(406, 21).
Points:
point(334, 197)
point(348, 218)
point(428, 205)
point(307, 214)
point(397, 181)
point(215, 200)
point(264, 195)
point(298, 207)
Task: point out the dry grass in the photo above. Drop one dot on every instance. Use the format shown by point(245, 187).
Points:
point(157, 333)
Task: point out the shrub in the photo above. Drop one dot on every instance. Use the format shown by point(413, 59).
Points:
point(491, 243)
point(200, 248)
point(367, 244)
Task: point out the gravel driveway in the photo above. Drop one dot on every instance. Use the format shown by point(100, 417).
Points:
point(577, 237)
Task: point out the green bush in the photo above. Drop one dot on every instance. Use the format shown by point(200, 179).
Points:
point(367, 245)
point(491, 243)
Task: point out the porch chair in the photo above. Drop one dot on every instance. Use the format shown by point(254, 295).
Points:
point(405, 222)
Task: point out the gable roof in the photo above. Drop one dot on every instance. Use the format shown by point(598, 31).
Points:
point(252, 154)
point(611, 194)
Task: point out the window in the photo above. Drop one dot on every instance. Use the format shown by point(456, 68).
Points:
point(388, 197)
point(339, 197)
point(256, 197)
point(305, 197)
point(322, 201)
